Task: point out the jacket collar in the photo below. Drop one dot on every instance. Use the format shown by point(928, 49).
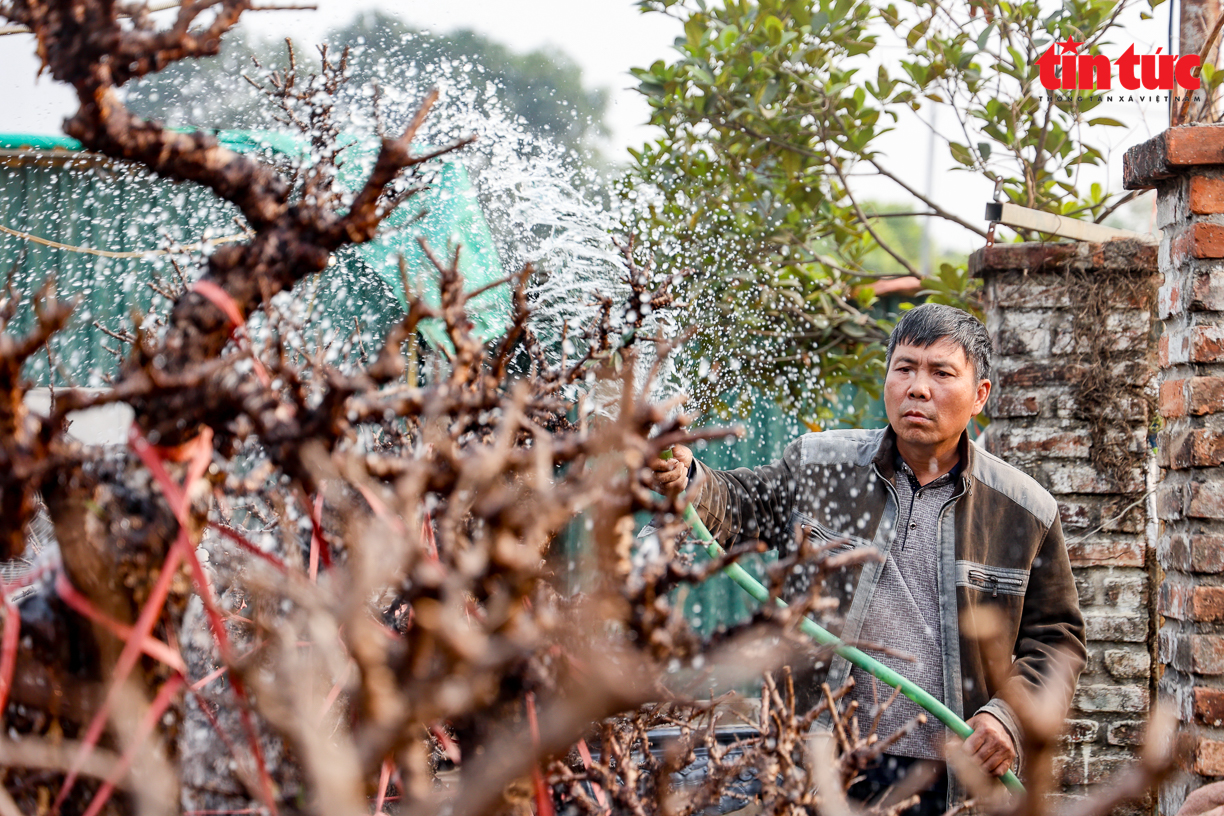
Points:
point(887, 455)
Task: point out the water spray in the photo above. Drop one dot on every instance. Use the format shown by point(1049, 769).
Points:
point(826, 638)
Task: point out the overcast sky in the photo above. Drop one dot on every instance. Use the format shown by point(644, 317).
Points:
point(606, 38)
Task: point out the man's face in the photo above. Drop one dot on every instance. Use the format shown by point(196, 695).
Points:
point(930, 394)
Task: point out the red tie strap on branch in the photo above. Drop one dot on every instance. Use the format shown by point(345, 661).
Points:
point(222, 300)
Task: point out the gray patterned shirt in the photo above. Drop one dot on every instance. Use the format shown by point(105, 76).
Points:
point(904, 616)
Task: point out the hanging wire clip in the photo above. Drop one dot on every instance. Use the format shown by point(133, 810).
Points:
point(998, 196)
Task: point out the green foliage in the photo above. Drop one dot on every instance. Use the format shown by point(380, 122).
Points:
point(897, 227)
point(774, 108)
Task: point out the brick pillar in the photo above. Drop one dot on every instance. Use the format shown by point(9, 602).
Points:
point(1186, 166)
point(1073, 398)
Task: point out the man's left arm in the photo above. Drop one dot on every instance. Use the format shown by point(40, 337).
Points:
point(1050, 652)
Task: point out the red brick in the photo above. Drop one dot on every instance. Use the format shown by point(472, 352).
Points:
point(1080, 731)
point(1027, 288)
point(1172, 600)
point(1034, 259)
point(1173, 399)
point(1173, 552)
point(1013, 405)
point(1205, 242)
point(1124, 591)
point(1206, 395)
point(1132, 409)
point(1161, 156)
point(1206, 195)
point(1085, 591)
point(1064, 476)
point(1207, 448)
point(1052, 444)
point(1116, 628)
point(1207, 604)
point(1031, 256)
point(1032, 374)
point(1110, 514)
point(1122, 331)
point(1106, 553)
point(1209, 706)
point(1207, 553)
point(1181, 246)
point(1133, 372)
point(1197, 241)
point(1194, 448)
point(1122, 515)
point(1127, 732)
point(1128, 256)
point(1087, 768)
point(1207, 291)
point(1169, 295)
point(1076, 515)
point(1209, 758)
point(1127, 664)
point(1169, 502)
point(1193, 553)
point(1192, 603)
point(1173, 347)
point(1147, 163)
point(1124, 699)
point(1186, 145)
point(1207, 344)
point(1033, 342)
point(1201, 654)
point(1206, 500)
point(1135, 409)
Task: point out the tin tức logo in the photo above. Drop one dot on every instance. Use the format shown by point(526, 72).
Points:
point(1094, 72)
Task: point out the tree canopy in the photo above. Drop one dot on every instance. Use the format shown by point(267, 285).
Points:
point(772, 112)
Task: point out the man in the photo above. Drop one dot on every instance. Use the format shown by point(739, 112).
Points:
point(967, 542)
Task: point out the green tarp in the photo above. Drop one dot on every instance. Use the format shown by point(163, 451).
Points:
point(50, 190)
point(452, 218)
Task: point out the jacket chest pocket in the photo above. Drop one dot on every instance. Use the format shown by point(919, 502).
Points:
point(811, 530)
point(995, 581)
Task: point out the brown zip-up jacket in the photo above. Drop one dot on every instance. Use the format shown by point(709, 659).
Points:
point(1000, 548)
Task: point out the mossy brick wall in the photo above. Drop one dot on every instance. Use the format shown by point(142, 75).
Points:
point(1186, 167)
point(1072, 402)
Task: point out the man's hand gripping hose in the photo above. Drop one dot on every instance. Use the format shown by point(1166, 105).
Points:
point(825, 638)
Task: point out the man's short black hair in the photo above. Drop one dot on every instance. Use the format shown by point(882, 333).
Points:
point(925, 325)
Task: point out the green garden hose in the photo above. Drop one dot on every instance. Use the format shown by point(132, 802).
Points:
point(825, 638)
